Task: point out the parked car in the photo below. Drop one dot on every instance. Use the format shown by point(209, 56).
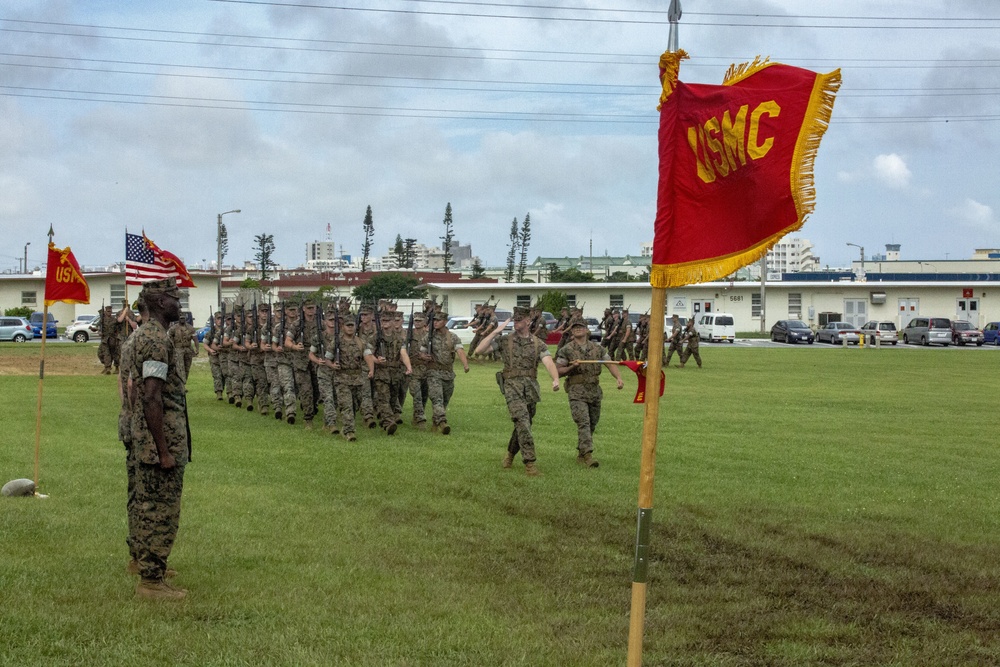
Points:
point(927, 331)
point(991, 333)
point(836, 333)
point(792, 331)
point(202, 332)
point(594, 325)
point(962, 333)
point(717, 327)
point(16, 329)
point(886, 331)
point(459, 325)
point(81, 329)
point(50, 330)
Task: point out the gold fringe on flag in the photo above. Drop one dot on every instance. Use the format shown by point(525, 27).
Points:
point(670, 70)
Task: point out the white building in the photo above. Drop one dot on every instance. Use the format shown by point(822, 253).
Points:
point(791, 255)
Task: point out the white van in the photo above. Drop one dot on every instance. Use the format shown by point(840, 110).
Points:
point(716, 327)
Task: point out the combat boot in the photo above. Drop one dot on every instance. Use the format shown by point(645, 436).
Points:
point(445, 428)
point(350, 437)
point(218, 395)
point(391, 429)
point(157, 589)
point(277, 415)
point(232, 399)
point(587, 460)
point(291, 419)
point(531, 470)
point(250, 406)
point(508, 461)
point(420, 425)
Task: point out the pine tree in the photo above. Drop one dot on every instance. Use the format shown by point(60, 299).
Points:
point(369, 236)
point(265, 249)
point(508, 274)
point(448, 238)
point(400, 252)
point(523, 239)
point(477, 269)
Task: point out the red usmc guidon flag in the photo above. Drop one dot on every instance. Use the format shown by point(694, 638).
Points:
point(63, 279)
point(736, 165)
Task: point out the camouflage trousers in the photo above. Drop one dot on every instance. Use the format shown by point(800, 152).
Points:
point(158, 497)
point(522, 397)
point(273, 383)
point(348, 396)
point(384, 400)
point(688, 353)
point(235, 376)
point(418, 394)
point(255, 385)
point(626, 351)
point(286, 380)
point(131, 505)
point(304, 391)
point(670, 352)
point(327, 394)
point(218, 379)
point(109, 351)
point(585, 408)
point(440, 387)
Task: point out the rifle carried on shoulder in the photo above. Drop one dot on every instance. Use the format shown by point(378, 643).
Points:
point(319, 333)
point(379, 337)
point(409, 329)
point(270, 322)
point(211, 326)
point(336, 335)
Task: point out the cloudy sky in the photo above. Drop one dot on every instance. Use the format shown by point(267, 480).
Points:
point(159, 115)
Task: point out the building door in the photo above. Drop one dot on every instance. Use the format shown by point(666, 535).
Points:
point(856, 311)
point(908, 309)
point(699, 307)
point(968, 309)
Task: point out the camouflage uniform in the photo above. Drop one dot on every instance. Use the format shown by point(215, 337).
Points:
point(271, 380)
point(212, 341)
point(351, 381)
point(674, 343)
point(125, 435)
point(387, 379)
point(158, 491)
point(184, 337)
point(692, 338)
point(255, 363)
point(302, 334)
point(583, 386)
point(233, 336)
point(326, 377)
point(443, 346)
point(521, 356)
point(286, 372)
point(107, 351)
point(418, 378)
point(626, 346)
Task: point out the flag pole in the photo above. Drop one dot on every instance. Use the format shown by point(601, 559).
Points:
point(41, 379)
point(650, 422)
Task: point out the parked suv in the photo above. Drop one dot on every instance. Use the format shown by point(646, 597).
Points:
point(927, 331)
point(886, 331)
point(16, 329)
point(991, 333)
point(963, 332)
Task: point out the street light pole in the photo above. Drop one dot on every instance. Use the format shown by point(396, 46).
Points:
point(26, 256)
point(218, 249)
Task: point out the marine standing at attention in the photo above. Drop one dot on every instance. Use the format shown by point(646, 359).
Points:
point(161, 438)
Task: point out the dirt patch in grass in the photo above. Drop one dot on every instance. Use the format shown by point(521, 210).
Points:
point(59, 360)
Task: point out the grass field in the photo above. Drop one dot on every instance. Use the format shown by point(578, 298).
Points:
point(813, 507)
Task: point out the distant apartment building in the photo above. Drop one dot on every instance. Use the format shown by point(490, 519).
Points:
point(791, 255)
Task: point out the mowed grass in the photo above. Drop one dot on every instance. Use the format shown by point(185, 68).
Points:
point(812, 507)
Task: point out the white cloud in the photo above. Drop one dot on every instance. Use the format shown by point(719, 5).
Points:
point(891, 171)
point(974, 215)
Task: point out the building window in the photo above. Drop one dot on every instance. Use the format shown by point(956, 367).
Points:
point(617, 301)
point(118, 295)
point(185, 299)
point(29, 298)
point(755, 304)
point(795, 305)
point(524, 301)
point(571, 300)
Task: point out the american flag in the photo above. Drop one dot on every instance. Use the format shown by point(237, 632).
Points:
point(144, 262)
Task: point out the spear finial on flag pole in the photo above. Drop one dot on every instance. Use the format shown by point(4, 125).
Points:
point(674, 15)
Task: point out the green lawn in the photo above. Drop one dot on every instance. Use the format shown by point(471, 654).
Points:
point(813, 507)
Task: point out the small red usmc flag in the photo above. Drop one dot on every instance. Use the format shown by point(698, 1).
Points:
point(63, 279)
